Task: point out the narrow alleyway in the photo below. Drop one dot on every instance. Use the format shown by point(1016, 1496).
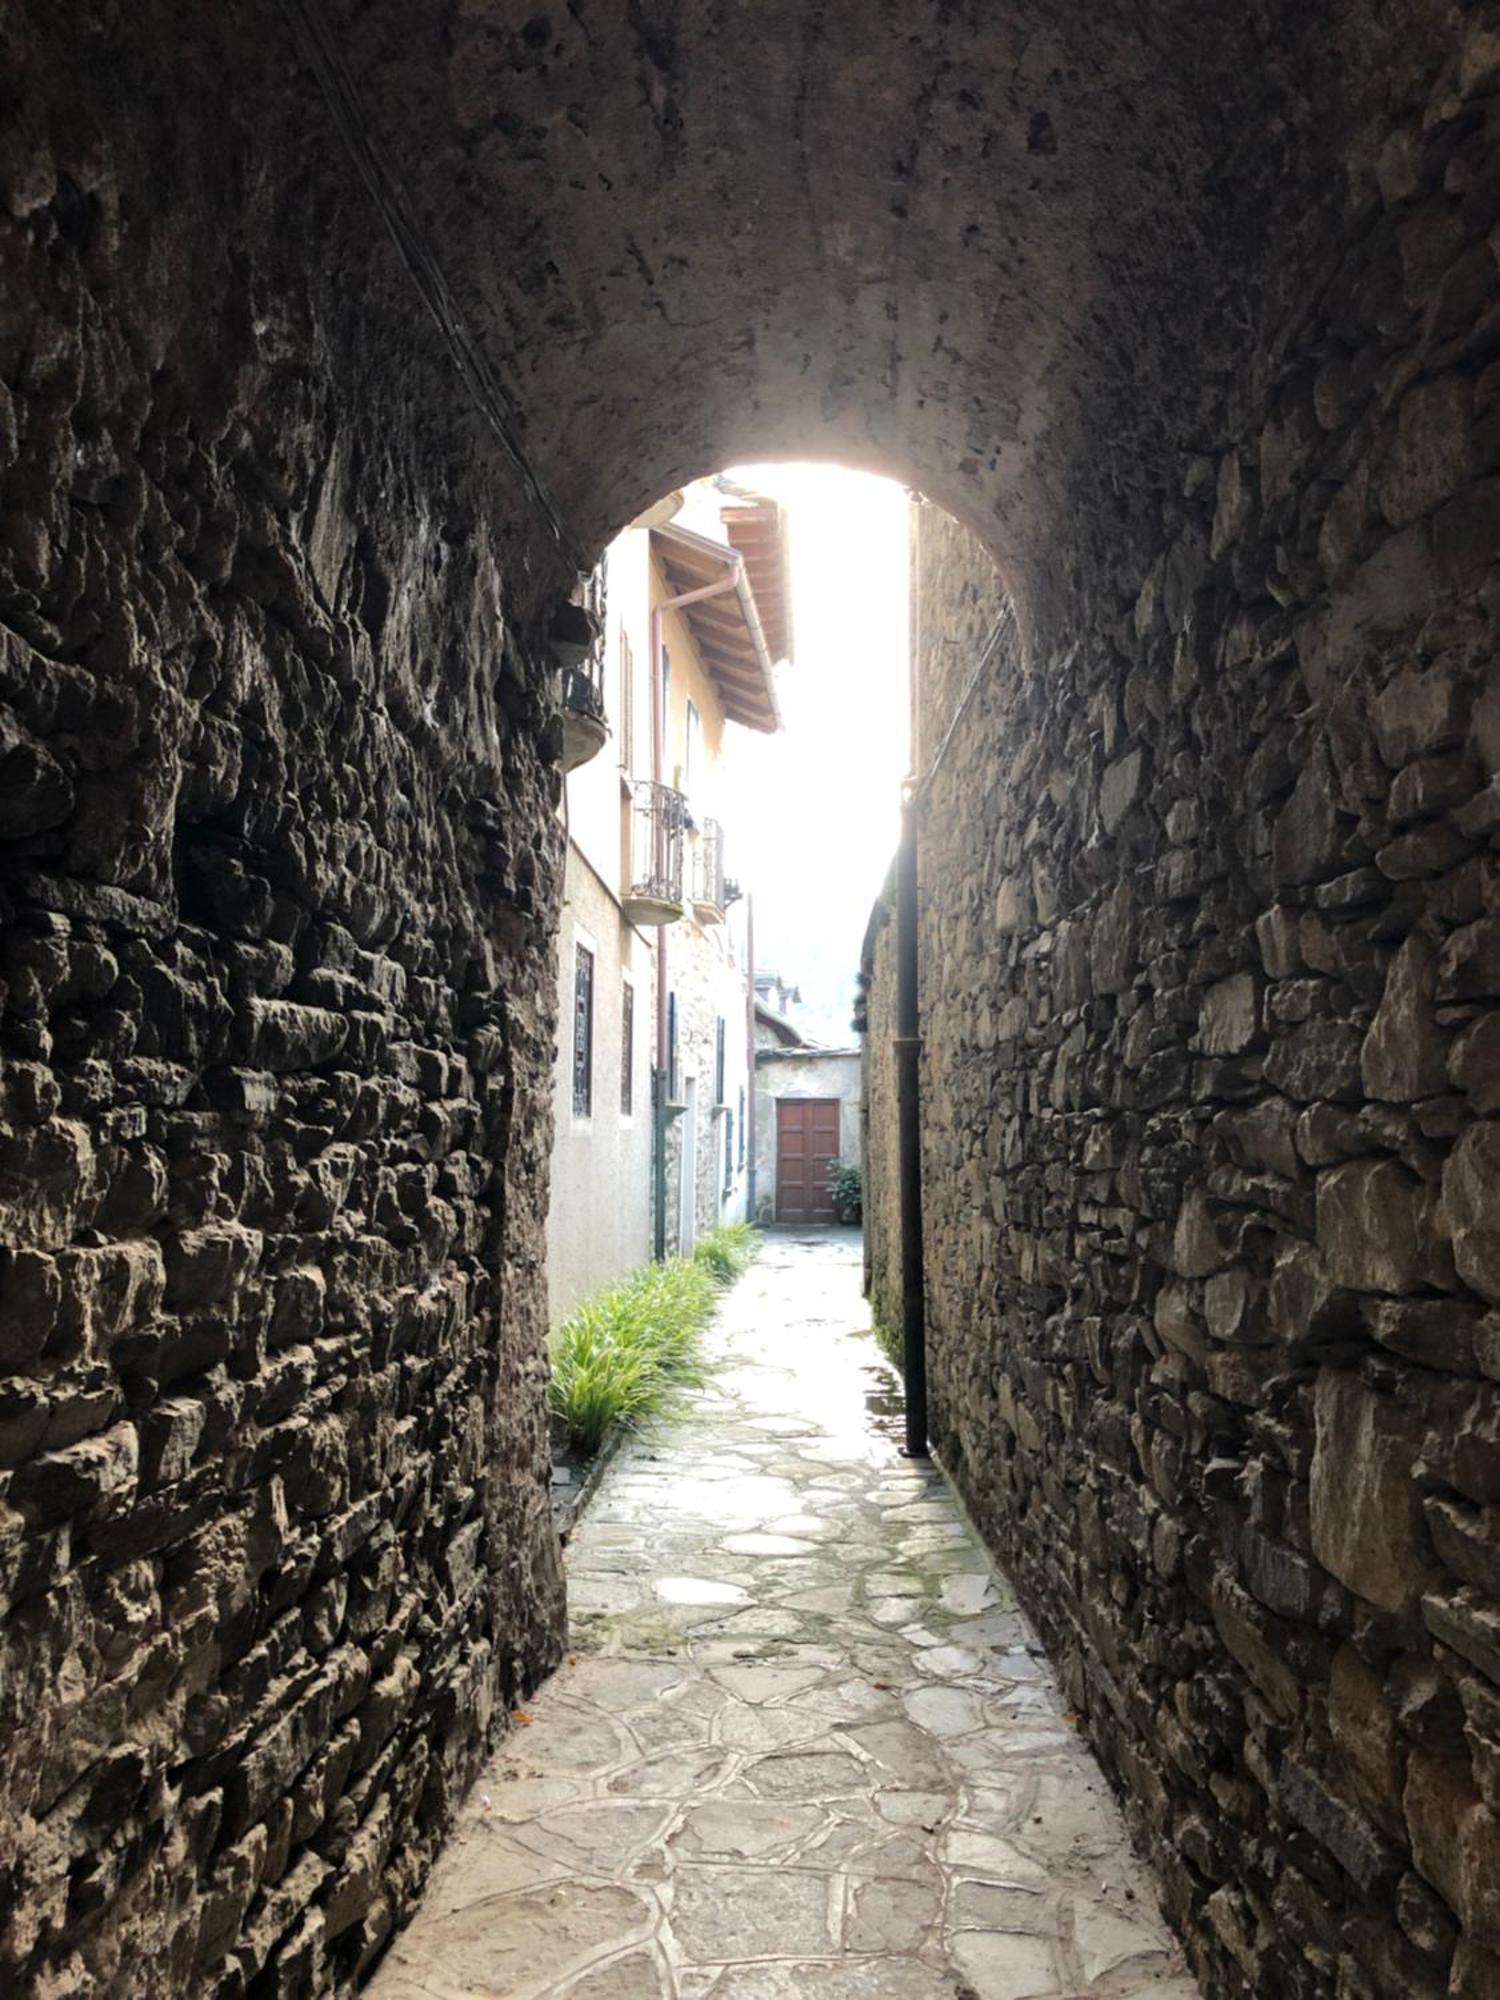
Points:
point(805, 1744)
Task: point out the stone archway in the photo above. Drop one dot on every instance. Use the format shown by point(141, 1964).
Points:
point(1014, 262)
point(333, 342)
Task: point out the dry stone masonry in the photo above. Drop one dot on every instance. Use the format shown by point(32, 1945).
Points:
point(1211, 1017)
point(275, 846)
point(875, 1023)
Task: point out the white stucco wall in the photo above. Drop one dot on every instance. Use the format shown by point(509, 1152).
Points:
point(802, 1073)
point(599, 1223)
point(594, 814)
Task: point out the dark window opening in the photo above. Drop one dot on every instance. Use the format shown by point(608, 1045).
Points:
point(627, 1048)
point(583, 1031)
point(728, 1151)
point(742, 1130)
point(719, 1062)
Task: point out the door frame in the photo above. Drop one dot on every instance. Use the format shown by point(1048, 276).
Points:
point(809, 1220)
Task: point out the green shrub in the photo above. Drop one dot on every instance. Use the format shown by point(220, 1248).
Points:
point(727, 1250)
point(846, 1189)
point(623, 1355)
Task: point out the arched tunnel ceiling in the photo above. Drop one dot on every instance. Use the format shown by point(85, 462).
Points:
point(1006, 253)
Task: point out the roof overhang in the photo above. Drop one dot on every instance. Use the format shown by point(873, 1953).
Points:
point(726, 627)
point(809, 1052)
point(779, 1026)
point(757, 529)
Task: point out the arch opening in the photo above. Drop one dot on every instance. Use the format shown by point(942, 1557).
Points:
point(749, 666)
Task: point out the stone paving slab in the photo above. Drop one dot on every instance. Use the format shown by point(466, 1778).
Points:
point(806, 1744)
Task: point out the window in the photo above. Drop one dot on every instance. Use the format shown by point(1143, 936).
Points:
point(627, 705)
point(627, 1048)
point(583, 1031)
point(719, 1062)
point(742, 1130)
point(674, 1077)
point(692, 755)
point(728, 1151)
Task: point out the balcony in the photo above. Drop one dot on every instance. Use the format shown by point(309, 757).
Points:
point(657, 817)
point(708, 873)
point(585, 731)
point(577, 641)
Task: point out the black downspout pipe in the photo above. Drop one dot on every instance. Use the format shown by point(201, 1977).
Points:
point(659, 1164)
point(909, 1107)
point(752, 1193)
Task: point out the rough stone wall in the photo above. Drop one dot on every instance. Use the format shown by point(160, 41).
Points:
point(599, 1215)
point(278, 859)
point(1211, 963)
point(875, 1021)
point(276, 1031)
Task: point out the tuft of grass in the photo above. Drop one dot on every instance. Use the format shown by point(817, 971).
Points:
point(727, 1251)
point(886, 1327)
point(624, 1354)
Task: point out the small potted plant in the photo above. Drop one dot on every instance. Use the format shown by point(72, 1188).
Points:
point(847, 1188)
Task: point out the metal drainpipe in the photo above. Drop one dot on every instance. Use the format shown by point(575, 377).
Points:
point(750, 1041)
point(658, 759)
point(867, 1247)
point(909, 1113)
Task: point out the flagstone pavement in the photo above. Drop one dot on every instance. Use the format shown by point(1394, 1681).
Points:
point(805, 1743)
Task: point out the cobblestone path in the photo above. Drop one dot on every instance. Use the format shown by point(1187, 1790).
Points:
point(806, 1745)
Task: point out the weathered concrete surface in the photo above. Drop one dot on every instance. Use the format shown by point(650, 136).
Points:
point(806, 1744)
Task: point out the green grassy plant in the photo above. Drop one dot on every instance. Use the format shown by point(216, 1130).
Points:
point(889, 1340)
point(623, 1355)
point(727, 1250)
point(886, 1327)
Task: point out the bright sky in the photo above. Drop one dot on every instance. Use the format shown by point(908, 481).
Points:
point(818, 814)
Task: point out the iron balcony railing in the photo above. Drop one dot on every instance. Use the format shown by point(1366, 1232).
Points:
point(708, 865)
point(583, 679)
point(583, 692)
point(657, 817)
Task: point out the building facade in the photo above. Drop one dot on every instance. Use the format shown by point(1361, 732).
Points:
point(808, 1119)
point(652, 1092)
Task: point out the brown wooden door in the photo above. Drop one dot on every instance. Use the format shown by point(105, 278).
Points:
point(807, 1138)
